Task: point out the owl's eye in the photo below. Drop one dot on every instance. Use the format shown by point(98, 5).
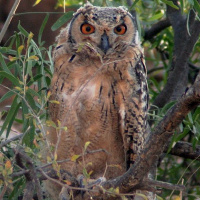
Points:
point(87, 29)
point(120, 30)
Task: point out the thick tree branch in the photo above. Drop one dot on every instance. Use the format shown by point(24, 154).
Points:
point(183, 45)
point(185, 150)
point(156, 28)
point(165, 185)
point(31, 177)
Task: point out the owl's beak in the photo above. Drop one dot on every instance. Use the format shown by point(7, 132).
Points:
point(104, 46)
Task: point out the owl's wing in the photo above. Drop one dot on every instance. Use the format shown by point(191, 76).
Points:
point(136, 113)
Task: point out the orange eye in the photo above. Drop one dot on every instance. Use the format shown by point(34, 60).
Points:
point(87, 29)
point(120, 30)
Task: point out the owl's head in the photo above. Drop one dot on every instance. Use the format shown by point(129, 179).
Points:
point(104, 28)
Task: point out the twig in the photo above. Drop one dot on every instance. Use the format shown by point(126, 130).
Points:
point(185, 150)
point(3, 191)
point(31, 176)
point(165, 185)
point(154, 69)
point(4, 143)
point(10, 16)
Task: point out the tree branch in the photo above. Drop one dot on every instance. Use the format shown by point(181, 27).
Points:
point(183, 45)
point(185, 150)
point(10, 16)
point(156, 28)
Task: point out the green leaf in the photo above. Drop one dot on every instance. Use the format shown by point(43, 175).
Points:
point(4, 65)
point(191, 2)
point(32, 92)
point(133, 5)
point(62, 20)
point(159, 198)
point(85, 174)
point(156, 17)
point(51, 124)
point(197, 6)
point(190, 117)
point(42, 29)
point(22, 30)
point(35, 78)
point(170, 3)
point(6, 96)
point(12, 119)
point(31, 101)
point(29, 136)
point(10, 77)
point(18, 189)
point(182, 135)
point(13, 109)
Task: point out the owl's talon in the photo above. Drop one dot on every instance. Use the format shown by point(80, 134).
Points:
point(90, 182)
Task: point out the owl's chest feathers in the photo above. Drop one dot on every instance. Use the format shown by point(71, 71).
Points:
point(95, 83)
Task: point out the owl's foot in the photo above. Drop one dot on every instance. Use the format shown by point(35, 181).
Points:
point(83, 184)
point(89, 183)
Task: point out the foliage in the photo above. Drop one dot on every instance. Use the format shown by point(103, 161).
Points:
point(28, 65)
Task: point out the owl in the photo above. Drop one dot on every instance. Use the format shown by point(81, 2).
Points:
point(100, 84)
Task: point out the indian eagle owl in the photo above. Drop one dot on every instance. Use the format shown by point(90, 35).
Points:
point(100, 84)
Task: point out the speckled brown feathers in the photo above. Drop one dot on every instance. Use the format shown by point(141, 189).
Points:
point(102, 92)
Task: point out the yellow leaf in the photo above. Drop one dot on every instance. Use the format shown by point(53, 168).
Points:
point(33, 58)
point(117, 190)
point(20, 48)
point(90, 172)
point(48, 94)
point(51, 123)
point(36, 2)
point(11, 58)
point(74, 157)
point(55, 156)
point(59, 123)
point(86, 145)
point(30, 36)
point(89, 164)
point(48, 159)
point(65, 128)
point(54, 101)
point(18, 88)
point(21, 83)
point(175, 197)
